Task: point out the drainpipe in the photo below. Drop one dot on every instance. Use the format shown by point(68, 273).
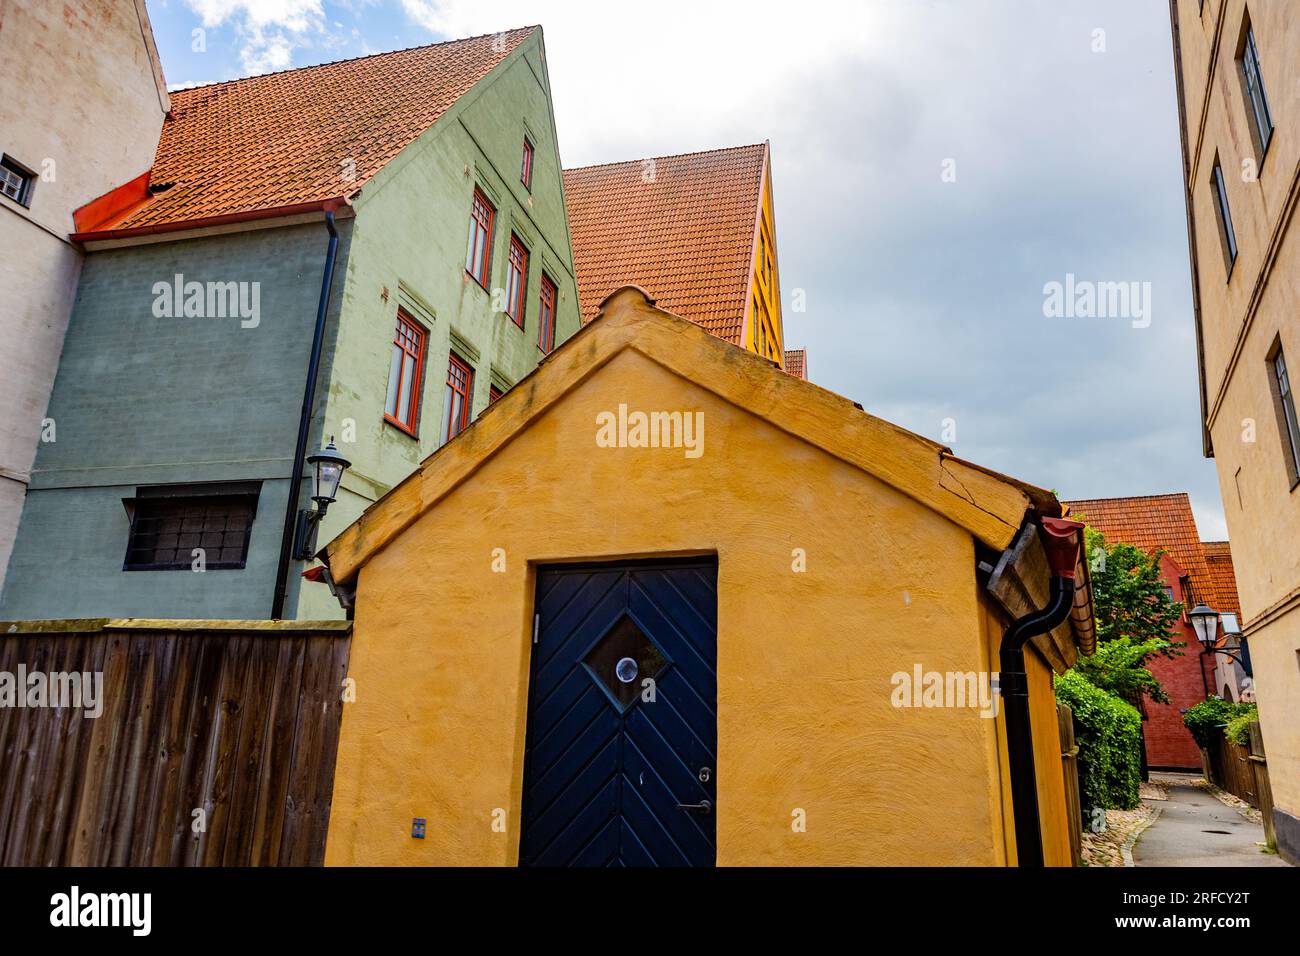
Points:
point(304, 423)
point(1061, 540)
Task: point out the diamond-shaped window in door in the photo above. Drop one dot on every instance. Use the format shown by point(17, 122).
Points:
point(623, 659)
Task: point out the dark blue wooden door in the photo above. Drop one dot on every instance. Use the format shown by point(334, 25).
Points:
point(620, 760)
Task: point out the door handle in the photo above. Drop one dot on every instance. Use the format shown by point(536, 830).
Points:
point(704, 806)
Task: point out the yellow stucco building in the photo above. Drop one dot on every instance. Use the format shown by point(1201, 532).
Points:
point(582, 635)
point(1237, 66)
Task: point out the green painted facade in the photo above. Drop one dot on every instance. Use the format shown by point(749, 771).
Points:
point(141, 400)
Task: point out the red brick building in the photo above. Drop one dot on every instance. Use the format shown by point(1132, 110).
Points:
point(1153, 523)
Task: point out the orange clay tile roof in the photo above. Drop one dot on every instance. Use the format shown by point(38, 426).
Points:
point(1151, 522)
point(680, 227)
point(1223, 577)
point(285, 139)
point(796, 362)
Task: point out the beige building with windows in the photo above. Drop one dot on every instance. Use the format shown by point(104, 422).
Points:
point(84, 100)
point(1237, 67)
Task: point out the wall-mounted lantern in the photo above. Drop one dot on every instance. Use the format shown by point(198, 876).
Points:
point(328, 467)
point(1205, 621)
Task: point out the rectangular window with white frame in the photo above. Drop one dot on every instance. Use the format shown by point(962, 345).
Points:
point(16, 181)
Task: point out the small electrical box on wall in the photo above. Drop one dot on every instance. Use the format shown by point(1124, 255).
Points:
point(417, 828)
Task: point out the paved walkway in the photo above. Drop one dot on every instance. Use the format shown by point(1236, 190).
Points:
point(1195, 829)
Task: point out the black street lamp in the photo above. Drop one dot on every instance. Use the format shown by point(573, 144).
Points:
point(328, 467)
point(1205, 621)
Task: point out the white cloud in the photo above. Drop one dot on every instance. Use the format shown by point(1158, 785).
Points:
point(270, 29)
point(924, 297)
point(294, 15)
point(268, 54)
point(188, 85)
point(682, 75)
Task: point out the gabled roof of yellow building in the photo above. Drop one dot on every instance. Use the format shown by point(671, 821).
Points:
point(991, 506)
point(681, 227)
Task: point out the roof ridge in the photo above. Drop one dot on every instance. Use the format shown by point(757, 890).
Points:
point(642, 159)
point(349, 59)
point(629, 322)
point(1162, 494)
point(365, 109)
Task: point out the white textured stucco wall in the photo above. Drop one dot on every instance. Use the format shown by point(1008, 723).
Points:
point(83, 105)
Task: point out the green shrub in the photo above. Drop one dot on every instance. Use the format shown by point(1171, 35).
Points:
point(1208, 719)
point(1119, 667)
point(1238, 729)
point(1108, 732)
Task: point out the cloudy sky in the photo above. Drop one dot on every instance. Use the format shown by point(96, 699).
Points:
point(936, 165)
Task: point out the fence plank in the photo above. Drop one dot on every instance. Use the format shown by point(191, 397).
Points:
point(1070, 770)
point(225, 746)
point(332, 728)
point(163, 660)
point(96, 786)
point(268, 821)
point(1259, 764)
point(139, 690)
point(301, 810)
point(67, 808)
point(246, 767)
point(19, 777)
point(69, 661)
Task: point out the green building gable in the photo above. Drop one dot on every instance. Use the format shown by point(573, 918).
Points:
point(148, 405)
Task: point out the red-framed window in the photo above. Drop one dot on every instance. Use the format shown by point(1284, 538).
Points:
point(494, 393)
point(526, 166)
point(546, 314)
point(516, 280)
point(402, 407)
point(459, 398)
point(478, 254)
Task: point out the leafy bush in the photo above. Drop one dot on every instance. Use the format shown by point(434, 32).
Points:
point(1108, 732)
point(1119, 668)
point(1207, 719)
point(1238, 729)
point(1129, 594)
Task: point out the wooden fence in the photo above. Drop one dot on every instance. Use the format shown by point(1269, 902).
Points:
point(215, 745)
point(1070, 770)
point(1242, 770)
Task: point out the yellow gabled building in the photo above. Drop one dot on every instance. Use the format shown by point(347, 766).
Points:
point(697, 231)
point(582, 636)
